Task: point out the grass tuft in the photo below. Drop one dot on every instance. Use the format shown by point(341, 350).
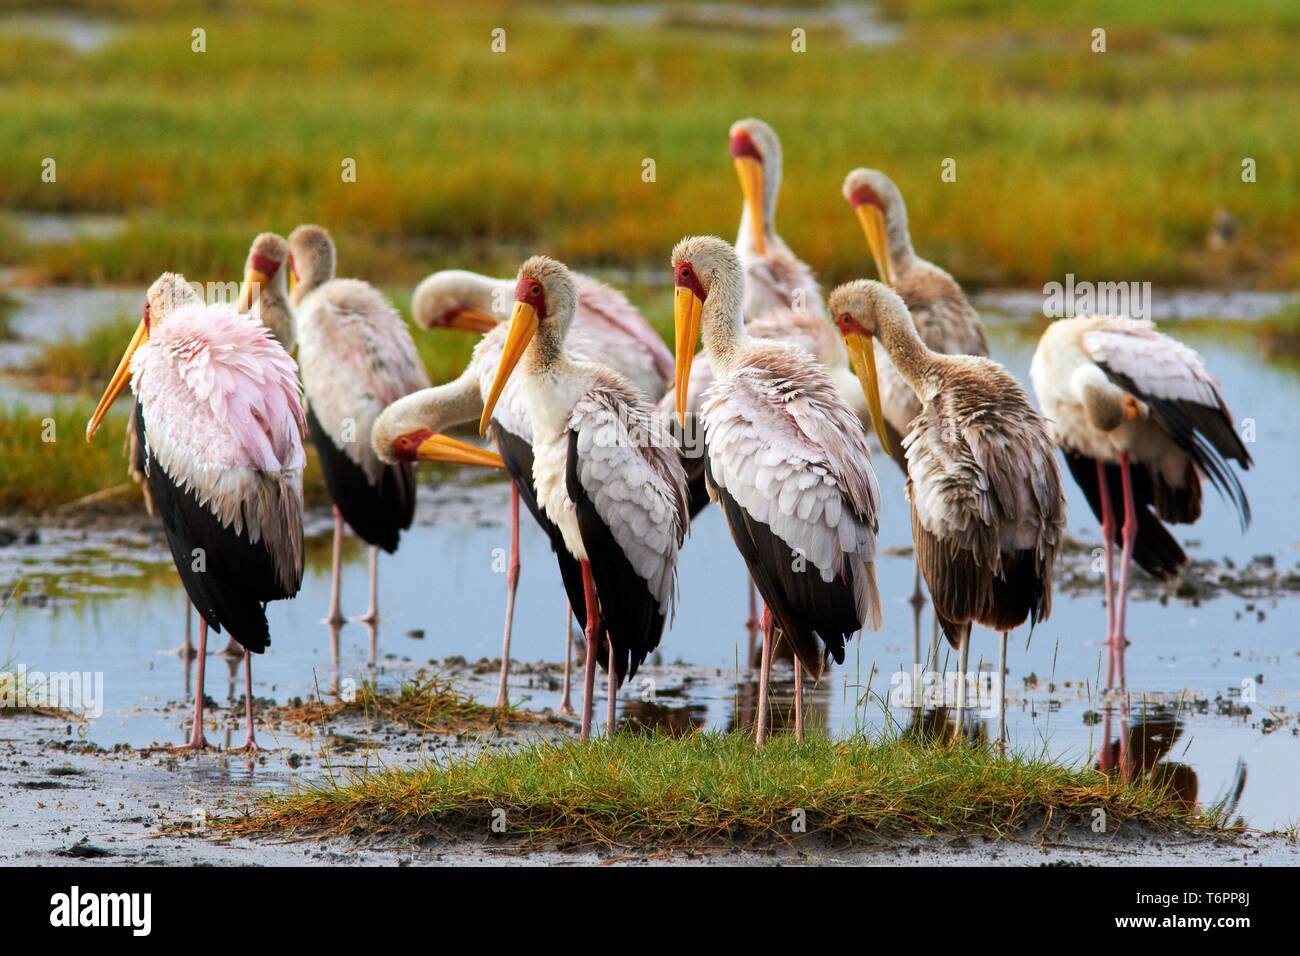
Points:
point(714, 790)
point(429, 704)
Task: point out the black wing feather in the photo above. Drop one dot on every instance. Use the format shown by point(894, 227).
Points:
point(377, 513)
point(237, 576)
point(805, 607)
point(629, 612)
point(1205, 433)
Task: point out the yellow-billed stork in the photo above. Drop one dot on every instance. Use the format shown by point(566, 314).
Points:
point(988, 511)
point(1140, 420)
point(220, 419)
point(606, 473)
point(787, 460)
point(357, 358)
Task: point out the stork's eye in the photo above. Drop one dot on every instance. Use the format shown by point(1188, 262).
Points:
point(536, 290)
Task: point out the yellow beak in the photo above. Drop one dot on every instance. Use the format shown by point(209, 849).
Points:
point(118, 382)
point(523, 326)
point(687, 309)
point(293, 279)
point(254, 283)
point(873, 224)
point(863, 357)
point(449, 450)
point(472, 320)
point(750, 172)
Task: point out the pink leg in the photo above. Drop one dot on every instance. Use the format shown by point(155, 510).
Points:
point(613, 692)
point(764, 672)
point(372, 613)
point(250, 742)
point(566, 705)
point(751, 625)
point(1105, 762)
point(335, 616)
point(798, 700)
point(197, 740)
point(593, 635)
point(1108, 548)
point(512, 584)
point(1128, 537)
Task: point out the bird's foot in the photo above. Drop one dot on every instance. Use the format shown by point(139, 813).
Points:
point(196, 744)
point(250, 747)
point(501, 703)
point(185, 652)
point(233, 650)
point(566, 709)
point(370, 617)
point(334, 620)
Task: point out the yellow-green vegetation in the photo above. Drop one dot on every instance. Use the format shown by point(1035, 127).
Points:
point(1105, 164)
point(709, 790)
point(47, 460)
point(429, 704)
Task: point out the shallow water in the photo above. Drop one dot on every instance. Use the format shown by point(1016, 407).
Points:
point(114, 605)
point(79, 34)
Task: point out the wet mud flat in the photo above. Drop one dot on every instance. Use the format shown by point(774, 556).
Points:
point(72, 804)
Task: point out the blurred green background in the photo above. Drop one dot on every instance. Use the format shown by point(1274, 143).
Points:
point(1107, 165)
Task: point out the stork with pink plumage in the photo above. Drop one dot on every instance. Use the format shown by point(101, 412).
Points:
point(357, 358)
point(219, 419)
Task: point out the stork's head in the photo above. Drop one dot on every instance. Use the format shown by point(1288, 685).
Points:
point(545, 301)
point(407, 430)
point(262, 270)
point(169, 293)
point(311, 260)
point(705, 270)
point(456, 299)
point(861, 309)
point(879, 207)
point(756, 152)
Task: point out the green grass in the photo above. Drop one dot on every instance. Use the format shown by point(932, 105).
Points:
point(713, 790)
point(1102, 164)
point(41, 473)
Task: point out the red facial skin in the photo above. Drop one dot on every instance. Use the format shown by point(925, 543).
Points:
point(530, 292)
point(743, 145)
point(864, 195)
point(264, 264)
point(407, 445)
point(848, 325)
point(685, 276)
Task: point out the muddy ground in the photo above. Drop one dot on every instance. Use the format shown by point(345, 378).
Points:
point(65, 802)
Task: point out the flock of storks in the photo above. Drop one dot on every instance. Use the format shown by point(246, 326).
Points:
point(613, 444)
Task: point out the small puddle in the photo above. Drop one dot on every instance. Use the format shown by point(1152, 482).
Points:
point(859, 23)
point(61, 228)
point(79, 34)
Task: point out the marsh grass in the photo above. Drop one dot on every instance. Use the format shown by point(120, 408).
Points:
point(711, 790)
point(429, 704)
point(1102, 164)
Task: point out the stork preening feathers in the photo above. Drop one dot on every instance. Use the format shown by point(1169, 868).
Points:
point(357, 358)
point(988, 511)
point(1141, 420)
point(219, 418)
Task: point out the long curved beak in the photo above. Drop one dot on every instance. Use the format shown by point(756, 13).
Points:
point(873, 224)
point(750, 172)
point(523, 326)
point(472, 320)
point(687, 309)
point(254, 283)
point(863, 357)
point(445, 449)
point(118, 382)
